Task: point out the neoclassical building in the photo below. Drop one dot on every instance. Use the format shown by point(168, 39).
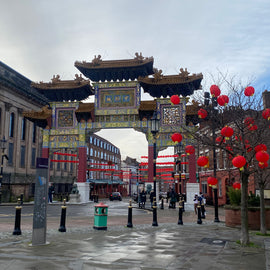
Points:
point(23, 139)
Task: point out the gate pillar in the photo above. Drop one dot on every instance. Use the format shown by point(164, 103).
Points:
point(192, 186)
point(83, 187)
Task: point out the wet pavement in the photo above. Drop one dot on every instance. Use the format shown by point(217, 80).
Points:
point(210, 245)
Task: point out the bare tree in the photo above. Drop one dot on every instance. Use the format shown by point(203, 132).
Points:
point(244, 116)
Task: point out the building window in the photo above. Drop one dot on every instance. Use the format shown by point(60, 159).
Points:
point(65, 163)
point(11, 125)
point(71, 164)
point(91, 139)
point(204, 187)
point(22, 156)
point(91, 152)
point(10, 154)
point(58, 163)
point(23, 129)
point(33, 157)
point(34, 133)
point(219, 187)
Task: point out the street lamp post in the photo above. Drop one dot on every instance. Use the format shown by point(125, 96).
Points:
point(3, 147)
point(154, 130)
point(213, 113)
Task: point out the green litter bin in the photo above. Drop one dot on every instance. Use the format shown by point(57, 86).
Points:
point(100, 216)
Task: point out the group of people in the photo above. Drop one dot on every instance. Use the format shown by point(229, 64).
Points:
point(199, 199)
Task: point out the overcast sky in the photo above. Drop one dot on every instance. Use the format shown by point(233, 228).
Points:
point(42, 38)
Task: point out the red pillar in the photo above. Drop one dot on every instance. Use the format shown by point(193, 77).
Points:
point(82, 165)
point(45, 152)
point(192, 168)
point(150, 162)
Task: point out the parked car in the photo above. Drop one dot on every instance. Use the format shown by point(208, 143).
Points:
point(115, 196)
point(135, 197)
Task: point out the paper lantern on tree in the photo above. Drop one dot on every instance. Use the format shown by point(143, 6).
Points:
point(212, 181)
point(266, 114)
point(203, 161)
point(252, 127)
point(227, 132)
point(263, 165)
point(236, 185)
point(219, 140)
point(249, 121)
point(190, 149)
point(223, 100)
point(249, 91)
point(239, 162)
point(177, 137)
point(202, 113)
point(262, 156)
point(214, 90)
point(175, 99)
point(260, 147)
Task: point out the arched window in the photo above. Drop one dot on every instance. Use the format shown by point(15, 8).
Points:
point(11, 125)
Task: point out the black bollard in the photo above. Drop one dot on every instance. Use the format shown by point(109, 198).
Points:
point(162, 204)
point(199, 221)
point(180, 219)
point(154, 213)
point(129, 224)
point(62, 227)
point(17, 227)
point(203, 210)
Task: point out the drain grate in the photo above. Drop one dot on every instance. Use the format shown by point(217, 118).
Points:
point(213, 241)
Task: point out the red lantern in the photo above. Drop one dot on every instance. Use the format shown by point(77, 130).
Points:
point(252, 127)
point(190, 149)
point(175, 99)
point(203, 161)
point(202, 113)
point(177, 137)
point(212, 181)
point(262, 156)
point(248, 147)
point(260, 147)
point(239, 162)
point(227, 132)
point(263, 165)
point(266, 114)
point(223, 100)
point(249, 121)
point(236, 185)
point(214, 90)
point(219, 140)
point(249, 91)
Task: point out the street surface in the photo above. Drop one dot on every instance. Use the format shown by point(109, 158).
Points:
point(170, 246)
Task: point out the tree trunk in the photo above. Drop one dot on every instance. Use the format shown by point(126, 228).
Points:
point(244, 209)
point(262, 211)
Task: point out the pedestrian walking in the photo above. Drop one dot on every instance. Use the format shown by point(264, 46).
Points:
point(196, 201)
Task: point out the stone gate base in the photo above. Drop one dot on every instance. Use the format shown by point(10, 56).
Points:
point(191, 189)
point(84, 190)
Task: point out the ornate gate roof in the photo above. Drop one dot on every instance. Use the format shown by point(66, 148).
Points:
point(113, 70)
point(58, 90)
point(181, 84)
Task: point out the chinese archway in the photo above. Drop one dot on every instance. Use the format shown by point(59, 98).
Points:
point(116, 86)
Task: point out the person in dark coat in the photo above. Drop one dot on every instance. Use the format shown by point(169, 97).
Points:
point(152, 195)
point(173, 197)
